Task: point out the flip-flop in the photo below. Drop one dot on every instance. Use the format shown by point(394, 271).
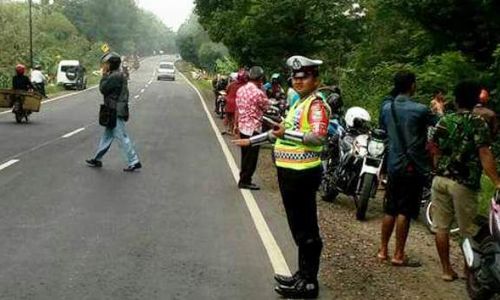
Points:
point(449, 278)
point(406, 263)
point(381, 258)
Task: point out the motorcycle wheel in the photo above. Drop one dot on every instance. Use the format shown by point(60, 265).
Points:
point(221, 115)
point(19, 117)
point(217, 107)
point(475, 291)
point(327, 192)
point(364, 196)
point(429, 223)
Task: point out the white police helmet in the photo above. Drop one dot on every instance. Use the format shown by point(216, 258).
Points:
point(302, 66)
point(358, 113)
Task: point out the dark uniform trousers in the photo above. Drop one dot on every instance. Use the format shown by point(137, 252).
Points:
point(298, 190)
point(249, 159)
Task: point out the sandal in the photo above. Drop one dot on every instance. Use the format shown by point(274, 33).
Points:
point(449, 277)
point(406, 263)
point(381, 258)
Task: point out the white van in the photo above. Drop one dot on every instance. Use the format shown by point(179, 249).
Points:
point(71, 74)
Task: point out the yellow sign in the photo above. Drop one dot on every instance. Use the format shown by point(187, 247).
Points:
point(105, 48)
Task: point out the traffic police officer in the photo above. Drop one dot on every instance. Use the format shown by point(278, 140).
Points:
point(297, 151)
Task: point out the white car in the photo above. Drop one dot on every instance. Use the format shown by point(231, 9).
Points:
point(71, 74)
point(166, 70)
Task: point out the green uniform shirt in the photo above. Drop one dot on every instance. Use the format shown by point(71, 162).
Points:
point(459, 136)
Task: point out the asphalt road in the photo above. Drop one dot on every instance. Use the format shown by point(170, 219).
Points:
point(178, 229)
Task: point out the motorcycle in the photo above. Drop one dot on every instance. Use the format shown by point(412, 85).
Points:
point(482, 257)
point(275, 113)
point(360, 157)
point(126, 72)
point(19, 112)
point(220, 104)
point(136, 64)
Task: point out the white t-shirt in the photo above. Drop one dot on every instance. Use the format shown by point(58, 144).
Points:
point(37, 76)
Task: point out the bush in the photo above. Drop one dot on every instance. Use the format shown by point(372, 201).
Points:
point(209, 53)
point(444, 71)
point(226, 65)
point(367, 88)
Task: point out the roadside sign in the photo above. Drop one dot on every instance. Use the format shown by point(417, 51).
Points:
point(105, 48)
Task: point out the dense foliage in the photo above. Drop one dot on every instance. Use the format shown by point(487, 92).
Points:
point(364, 42)
point(195, 45)
point(76, 29)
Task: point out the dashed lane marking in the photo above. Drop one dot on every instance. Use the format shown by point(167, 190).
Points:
point(73, 133)
point(8, 164)
point(272, 248)
point(136, 97)
point(142, 91)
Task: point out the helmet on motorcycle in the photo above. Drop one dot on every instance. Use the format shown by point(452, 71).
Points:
point(356, 116)
point(20, 69)
point(275, 77)
point(233, 76)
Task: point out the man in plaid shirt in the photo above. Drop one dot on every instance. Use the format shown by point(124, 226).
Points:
point(251, 103)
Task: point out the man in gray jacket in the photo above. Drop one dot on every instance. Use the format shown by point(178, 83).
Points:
point(114, 88)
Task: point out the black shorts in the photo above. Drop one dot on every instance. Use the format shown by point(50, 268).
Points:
point(404, 195)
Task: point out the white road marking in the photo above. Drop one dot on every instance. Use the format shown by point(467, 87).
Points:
point(57, 98)
point(8, 164)
point(72, 133)
point(137, 96)
point(142, 91)
point(272, 248)
point(151, 81)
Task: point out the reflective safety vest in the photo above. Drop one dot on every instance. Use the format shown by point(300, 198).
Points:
point(295, 155)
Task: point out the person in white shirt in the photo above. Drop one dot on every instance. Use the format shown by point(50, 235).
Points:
point(38, 80)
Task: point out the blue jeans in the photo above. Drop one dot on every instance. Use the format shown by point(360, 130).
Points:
point(126, 145)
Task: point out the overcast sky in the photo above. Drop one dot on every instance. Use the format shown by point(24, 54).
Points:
point(172, 12)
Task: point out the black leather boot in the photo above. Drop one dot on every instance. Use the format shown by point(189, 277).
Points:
point(302, 289)
point(287, 280)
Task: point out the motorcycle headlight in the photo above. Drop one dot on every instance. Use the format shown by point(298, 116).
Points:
point(376, 148)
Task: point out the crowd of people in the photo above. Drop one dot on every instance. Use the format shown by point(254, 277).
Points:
point(451, 140)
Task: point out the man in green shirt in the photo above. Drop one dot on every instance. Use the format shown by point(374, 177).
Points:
point(462, 140)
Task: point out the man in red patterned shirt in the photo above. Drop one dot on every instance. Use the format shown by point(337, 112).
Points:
point(251, 103)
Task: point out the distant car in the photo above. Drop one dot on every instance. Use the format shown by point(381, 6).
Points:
point(166, 70)
point(71, 74)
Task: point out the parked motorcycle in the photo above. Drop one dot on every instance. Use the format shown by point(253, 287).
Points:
point(126, 71)
point(136, 64)
point(482, 257)
point(275, 113)
point(356, 172)
point(220, 104)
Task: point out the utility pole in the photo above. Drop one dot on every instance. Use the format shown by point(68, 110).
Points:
point(31, 33)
